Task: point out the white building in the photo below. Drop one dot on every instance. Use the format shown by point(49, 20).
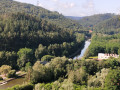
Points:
point(106, 56)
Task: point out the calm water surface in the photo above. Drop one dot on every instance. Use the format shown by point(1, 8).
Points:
point(13, 82)
point(87, 43)
point(22, 80)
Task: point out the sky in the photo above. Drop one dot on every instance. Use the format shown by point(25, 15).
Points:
point(78, 7)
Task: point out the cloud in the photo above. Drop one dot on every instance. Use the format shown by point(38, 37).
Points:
point(55, 0)
point(89, 7)
point(66, 5)
point(89, 4)
point(41, 5)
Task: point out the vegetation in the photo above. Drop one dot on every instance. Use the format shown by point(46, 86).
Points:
point(1, 78)
point(102, 43)
point(10, 6)
point(7, 71)
point(25, 38)
point(60, 73)
point(110, 26)
point(40, 42)
point(90, 21)
point(22, 87)
point(47, 58)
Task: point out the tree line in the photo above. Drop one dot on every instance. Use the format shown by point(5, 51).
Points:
point(102, 43)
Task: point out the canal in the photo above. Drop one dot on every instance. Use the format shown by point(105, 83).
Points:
point(81, 54)
point(21, 80)
point(17, 81)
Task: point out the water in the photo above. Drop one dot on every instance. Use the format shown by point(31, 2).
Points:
point(14, 82)
point(87, 43)
point(21, 80)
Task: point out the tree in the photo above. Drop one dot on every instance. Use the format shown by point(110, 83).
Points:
point(119, 51)
point(112, 81)
point(25, 55)
point(58, 66)
point(4, 69)
point(79, 76)
point(47, 58)
point(41, 73)
point(41, 51)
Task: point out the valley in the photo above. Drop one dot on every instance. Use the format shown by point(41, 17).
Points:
point(57, 52)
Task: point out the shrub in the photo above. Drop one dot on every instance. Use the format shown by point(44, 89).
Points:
point(11, 74)
point(1, 78)
point(22, 87)
point(47, 58)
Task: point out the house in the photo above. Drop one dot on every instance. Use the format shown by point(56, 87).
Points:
point(106, 56)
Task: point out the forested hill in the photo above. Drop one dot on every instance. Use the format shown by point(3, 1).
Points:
point(27, 33)
point(22, 30)
point(10, 6)
point(90, 21)
point(110, 26)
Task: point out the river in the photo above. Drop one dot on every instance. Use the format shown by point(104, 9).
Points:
point(20, 81)
point(81, 54)
point(17, 81)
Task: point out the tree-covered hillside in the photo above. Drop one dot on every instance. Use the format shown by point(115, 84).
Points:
point(109, 26)
point(37, 36)
point(10, 6)
point(90, 21)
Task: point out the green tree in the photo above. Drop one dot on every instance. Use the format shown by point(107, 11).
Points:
point(47, 58)
point(41, 51)
point(25, 55)
point(112, 81)
point(4, 69)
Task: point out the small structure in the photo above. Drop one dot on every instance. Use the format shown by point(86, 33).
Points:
point(106, 56)
point(90, 31)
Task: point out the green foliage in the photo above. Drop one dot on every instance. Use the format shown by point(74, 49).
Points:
point(65, 49)
point(41, 51)
point(102, 43)
point(22, 87)
point(11, 74)
point(112, 81)
point(8, 6)
point(25, 55)
point(110, 26)
point(52, 71)
point(78, 77)
point(47, 58)
point(90, 21)
point(98, 79)
point(20, 27)
point(4, 69)
point(1, 78)
point(28, 66)
point(59, 65)
point(41, 73)
point(9, 58)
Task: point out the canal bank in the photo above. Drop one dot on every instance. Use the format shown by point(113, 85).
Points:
point(80, 53)
point(12, 82)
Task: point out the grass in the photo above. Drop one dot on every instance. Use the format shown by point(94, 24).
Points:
point(93, 57)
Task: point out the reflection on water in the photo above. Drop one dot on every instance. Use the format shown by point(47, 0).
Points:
point(87, 43)
point(13, 83)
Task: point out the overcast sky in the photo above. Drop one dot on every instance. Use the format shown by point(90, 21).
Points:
point(78, 7)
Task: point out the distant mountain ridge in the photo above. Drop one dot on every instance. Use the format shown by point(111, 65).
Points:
point(90, 21)
point(10, 6)
point(74, 17)
point(110, 26)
